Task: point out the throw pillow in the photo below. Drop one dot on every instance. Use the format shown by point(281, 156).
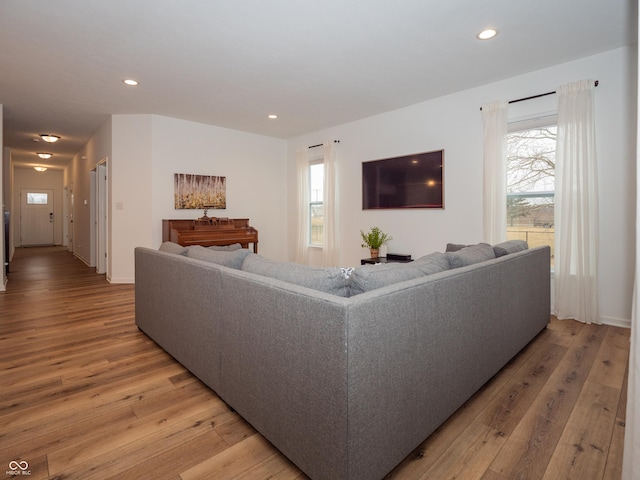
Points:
point(470, 255)
point(510, 246)
point(232, 258)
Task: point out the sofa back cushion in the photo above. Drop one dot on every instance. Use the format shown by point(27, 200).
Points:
point(470, 255)
point(370, 277)
point(331, 280)
point(226, 248)
point(510, 246)
point(227, 258)
point(171, 247)
point(432, 263)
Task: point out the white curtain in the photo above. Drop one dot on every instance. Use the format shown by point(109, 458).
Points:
point(576, 206)
point(329, 231)
point(494, 116)
point(302, 173)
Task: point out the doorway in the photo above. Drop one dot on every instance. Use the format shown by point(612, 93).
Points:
point(36, 217)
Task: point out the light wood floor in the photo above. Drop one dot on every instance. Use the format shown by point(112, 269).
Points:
point(85, 395)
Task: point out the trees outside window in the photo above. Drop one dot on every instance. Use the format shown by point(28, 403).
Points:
point(531, 156)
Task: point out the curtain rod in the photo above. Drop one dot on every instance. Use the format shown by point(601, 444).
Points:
point(321, 144)
point(538, 96)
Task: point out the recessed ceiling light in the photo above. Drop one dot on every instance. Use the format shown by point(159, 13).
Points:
point(272, 116)
point(47, 137)
point(131, 82)
point(487, 34)
point(45, 155)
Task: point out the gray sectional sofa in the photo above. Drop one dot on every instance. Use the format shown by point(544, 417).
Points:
point(345, 371)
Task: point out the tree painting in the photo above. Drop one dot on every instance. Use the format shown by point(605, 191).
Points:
point(199, 191)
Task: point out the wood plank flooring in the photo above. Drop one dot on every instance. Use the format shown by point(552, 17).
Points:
point(85, 395)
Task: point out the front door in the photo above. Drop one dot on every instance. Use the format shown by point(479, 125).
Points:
point(36, 217)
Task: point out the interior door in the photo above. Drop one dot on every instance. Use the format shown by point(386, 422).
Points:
point(36, 217)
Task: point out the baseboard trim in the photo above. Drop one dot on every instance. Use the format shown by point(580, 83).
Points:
point(616, 322)
point(120, 280)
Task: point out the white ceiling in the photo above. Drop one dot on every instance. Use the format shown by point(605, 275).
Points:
point(231, 63)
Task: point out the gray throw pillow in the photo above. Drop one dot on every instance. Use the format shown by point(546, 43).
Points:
point(470, 255)
point(171, 247)
point(232, 258)
point(331, 280)
point(510, 246)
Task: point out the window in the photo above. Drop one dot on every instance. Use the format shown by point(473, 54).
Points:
point(531, 158)
point(316, 203)
point(37, 198)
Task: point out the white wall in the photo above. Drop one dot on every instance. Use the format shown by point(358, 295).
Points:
point(254, 167)
point(130, 193)
point(454, 123)
point(77, 181)
point(147, 150)
point(48, 180)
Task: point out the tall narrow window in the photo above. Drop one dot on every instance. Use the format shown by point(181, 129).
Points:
point(531, 158)
point(316, 203)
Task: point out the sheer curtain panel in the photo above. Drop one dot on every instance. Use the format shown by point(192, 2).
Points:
point(576, 209)
point(494, 116)
point(329, 247)
point(302, 173)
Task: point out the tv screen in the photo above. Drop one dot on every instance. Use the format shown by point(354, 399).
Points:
point(412, 181)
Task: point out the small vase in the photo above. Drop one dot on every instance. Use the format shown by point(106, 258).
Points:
point(374, 252)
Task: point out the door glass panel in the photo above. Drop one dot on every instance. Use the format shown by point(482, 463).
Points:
point(37, 198)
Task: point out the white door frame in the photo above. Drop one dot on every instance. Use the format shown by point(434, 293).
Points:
point(101, 216)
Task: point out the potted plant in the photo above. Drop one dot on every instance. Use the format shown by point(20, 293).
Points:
point(374, 239)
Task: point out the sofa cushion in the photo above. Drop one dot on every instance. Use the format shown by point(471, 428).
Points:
point(228, 258)
point(171, 247)
point(369, 277)
point(432, 263)
point(510, 246)
point(223, 248)
point(454, 247)
point(325, 279)
point(470, 255)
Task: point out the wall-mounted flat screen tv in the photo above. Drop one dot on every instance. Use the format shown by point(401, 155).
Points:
point(411, 181)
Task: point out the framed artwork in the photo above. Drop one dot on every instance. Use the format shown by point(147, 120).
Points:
point(199, 191)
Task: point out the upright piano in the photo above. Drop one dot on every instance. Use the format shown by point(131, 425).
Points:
point(208, 231)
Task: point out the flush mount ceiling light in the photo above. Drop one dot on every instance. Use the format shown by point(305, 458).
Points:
point(487, 34)
point(39, 168)
point(130, 81)
point(45, 155)
point(49, 138)
point(272, 116)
